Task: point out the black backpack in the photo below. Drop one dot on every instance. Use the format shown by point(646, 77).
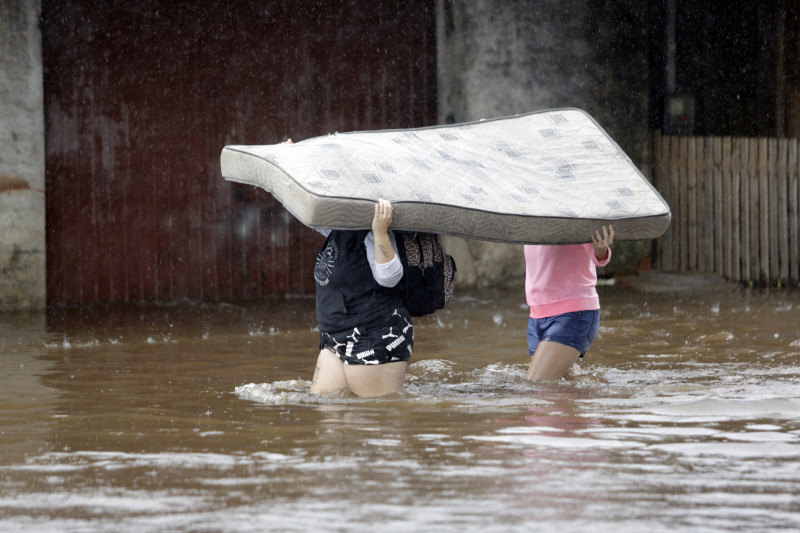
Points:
point(428, 273)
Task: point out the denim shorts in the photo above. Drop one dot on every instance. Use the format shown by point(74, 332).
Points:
point(577, 329)
point(390, 341)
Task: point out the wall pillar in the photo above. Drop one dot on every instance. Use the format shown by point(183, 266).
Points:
point(22, 205)
point(504, 57)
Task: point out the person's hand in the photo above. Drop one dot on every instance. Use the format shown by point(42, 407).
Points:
point(602, 242)
point(381, 221)
point(382, 218)
point(287, 141)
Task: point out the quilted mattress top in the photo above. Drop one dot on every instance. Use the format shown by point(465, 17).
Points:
point(549, 177)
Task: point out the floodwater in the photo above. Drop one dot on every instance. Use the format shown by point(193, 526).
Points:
point(683, 417)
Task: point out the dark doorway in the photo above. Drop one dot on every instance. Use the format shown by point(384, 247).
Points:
point(716, 67)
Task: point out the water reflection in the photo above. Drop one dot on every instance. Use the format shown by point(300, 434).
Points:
point(684, 416)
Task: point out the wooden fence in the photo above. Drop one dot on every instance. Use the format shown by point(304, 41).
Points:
point(735, 204)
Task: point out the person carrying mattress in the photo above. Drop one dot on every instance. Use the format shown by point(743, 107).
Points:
point(366, 334)
point(560, 289)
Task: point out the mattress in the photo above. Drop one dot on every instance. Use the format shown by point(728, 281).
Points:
point(548, 177)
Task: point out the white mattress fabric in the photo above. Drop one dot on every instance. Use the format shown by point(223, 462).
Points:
point(549, 177)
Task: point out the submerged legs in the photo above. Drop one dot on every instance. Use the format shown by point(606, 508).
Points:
point(551, 361)
point(331, 375)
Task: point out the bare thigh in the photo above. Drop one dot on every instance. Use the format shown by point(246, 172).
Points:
point(328, 374)
point(376, 380)
point(551, 361)
point(331, 375)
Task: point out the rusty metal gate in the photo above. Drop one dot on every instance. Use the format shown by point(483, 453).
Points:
point(140, 97)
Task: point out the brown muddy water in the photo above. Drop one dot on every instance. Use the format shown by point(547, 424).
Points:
point(684, 417)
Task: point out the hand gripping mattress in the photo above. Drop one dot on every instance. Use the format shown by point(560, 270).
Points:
point(540, 178)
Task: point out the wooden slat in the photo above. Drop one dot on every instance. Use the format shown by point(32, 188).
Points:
point(764, 268)
point(782, 215)
point(736, 188)
point(679, 218)
point(670, 144)
point(794, 212)
point(668, 185)
point(755, 266)
point(703, 186)
point(713, 201)
point(658, 182)
point(724, 244)
point(771, 215)
point(716, 219)
point(685, 204)
point(745, 169)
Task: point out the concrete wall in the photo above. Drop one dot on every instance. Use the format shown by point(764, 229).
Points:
point(499, 58)
point(22, 206)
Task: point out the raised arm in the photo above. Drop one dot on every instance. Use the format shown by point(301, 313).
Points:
point(602, 242)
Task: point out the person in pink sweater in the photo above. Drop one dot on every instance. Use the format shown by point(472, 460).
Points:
point(560, 288)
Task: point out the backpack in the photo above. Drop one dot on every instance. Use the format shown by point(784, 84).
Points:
point(428, 272)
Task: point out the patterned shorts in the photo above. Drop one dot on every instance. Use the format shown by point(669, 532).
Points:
point(389, 342)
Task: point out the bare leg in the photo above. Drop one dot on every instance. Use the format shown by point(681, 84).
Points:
point(366, 381)
point(551, 361)
point(329, 374)
point(375, 380)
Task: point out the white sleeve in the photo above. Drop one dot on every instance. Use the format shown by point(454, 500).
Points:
point(325, 231)
point(386, 274)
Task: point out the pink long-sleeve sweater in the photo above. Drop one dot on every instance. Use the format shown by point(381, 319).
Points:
point(561, 278)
